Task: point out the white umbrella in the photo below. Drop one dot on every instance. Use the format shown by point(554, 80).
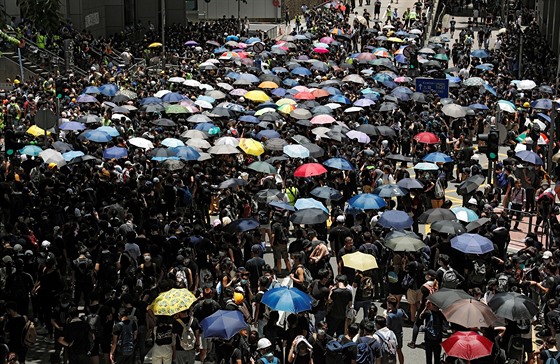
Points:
point(119, 117)
point(204, 157)
point(526, 85)
point(172, 142)
point(176, 79)
point(353, 109)
point(225, 86)
point(199, 118)
point(161, 93)
point(204, 104)
point(234, 142)
point(141, 143)
point(296, 151)
point(191, 83)
point(194, 134)
point(52, 156)
point(223, 149)
point(198, 143)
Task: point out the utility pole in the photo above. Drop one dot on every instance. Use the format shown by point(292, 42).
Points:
point(163, 27)
point(553, 116)
point(239, 17)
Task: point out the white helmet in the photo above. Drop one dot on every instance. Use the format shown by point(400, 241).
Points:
point(263, 343)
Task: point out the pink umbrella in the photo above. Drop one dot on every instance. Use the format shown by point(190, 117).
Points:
point(402, 79)
point(366, 57)
point(284, 48)
point(326, 40)
point(304, 96)
point(301, 88)
point(242, 45)
point(321, 50)
point(322, 119)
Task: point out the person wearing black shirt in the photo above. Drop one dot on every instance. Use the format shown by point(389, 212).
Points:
point(548, 350)
point(76, 337)
point(201, 310)
point(14, 329)
point(347, 249)
point(433, 323)
point(340, 298)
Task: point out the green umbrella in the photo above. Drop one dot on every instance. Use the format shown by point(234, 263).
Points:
point(176, 109)
point(262, 167)
point(441, 57)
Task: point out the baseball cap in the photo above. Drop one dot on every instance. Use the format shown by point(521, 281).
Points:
point(340, 218)
point(547, 254)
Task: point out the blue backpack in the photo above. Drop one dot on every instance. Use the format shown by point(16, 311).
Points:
point(337, 352)
point(552, 359)
point(365, 352)
point(126, 339)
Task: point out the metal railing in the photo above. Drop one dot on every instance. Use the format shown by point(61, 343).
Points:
point(543, 229)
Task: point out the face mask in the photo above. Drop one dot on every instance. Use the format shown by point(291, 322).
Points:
point(222, 254)
point(321, 332)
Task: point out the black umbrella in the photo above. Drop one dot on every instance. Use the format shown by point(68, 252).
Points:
point(120, 98)
point(273, 160)
point(222, 111)
point(275, 144)
point(368, 129)
point(241, 225)
point(470, 185)
point(410, 183)
point(89, 119)
point(300, 139)
point(232, 182)
point(447, 296)
point(62, 147)
point(477, 224)
point(437, 214)
point(448, 227)
point(163, 122)
point(84, 158)
point(386, 131)
point(388, 106)
point(314, 150)
point(326, 192)
point(309, 216)
point(399, 158)
point(513, 306)
point(419, 97)
point(268, 195)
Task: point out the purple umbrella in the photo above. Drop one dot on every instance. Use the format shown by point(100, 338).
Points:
point(364, 102)
point(191, 43)
point(238, 92)
point(86, 98)
point(72, 125)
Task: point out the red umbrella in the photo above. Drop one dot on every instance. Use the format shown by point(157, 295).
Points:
point(320, 93)
point(426, 138)
point(467, 345)
point(309, 169)
point(304, 96)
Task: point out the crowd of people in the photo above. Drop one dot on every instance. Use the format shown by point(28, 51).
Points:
point(190, 175)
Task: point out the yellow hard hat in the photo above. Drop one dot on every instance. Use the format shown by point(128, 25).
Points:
point(526, 104)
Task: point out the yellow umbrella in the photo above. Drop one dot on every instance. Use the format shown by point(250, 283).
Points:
point(257, 96)
point(286, 108)
point(395, 40)
point(359, 261)
point(36, 131)
point(268, 84)
point(264, 111)
point(155, 45)
point(285, 101)
point(173, 301)
point(251, 146)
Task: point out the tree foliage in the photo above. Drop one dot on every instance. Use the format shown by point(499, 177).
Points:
point(45, 14)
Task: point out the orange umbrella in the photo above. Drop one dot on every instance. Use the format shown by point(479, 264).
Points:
point(320, 93)
point(268, 84)
point(304, 96)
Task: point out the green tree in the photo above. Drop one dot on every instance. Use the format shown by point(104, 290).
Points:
point(44, 14)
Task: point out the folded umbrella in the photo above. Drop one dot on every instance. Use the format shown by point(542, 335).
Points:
point(223, 324)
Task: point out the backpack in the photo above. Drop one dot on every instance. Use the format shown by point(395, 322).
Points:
point(126, 338)
point(95, 325)
point(449, 278)
point(367, 286)
point(263, 217)
point(478, 274)
point(187, 339)
point(307, 278)
point(555, 320)
point(132, 317)
point(181, 277)
point(163, 335)
point(264, 360)
point(439, 190)
point(29, 333)
point(502, 180)
point(551, 359)
point(336, 352)
point(388, 348)
point(364, 352)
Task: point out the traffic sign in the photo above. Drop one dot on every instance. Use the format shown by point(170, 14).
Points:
point(429, 85)
point(258, 47)
point(409, 51)
point(45, 119)
point(206, 1)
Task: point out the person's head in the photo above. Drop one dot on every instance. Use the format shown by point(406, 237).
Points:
point(10, 307)
point(443, 260)
point(353, 330)
point(341, 279)
point(348, 242)
point(392, 302)
point(297, 258)
point(380, 322)
point(369, 327)
point(264, 345)
point(551, 303)
point(323, 275)
point(550, 342)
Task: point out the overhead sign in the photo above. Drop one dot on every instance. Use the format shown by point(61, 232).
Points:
point(433, 85)
point(45, 119)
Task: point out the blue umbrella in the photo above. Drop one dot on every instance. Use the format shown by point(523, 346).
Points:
point(327, 193)
point(97, 136)
point(400, 58)
point(287, 299)
point(382, 77)
point(484, 67)
point(268, 133)
point(340, 99)
point(186, 153)
point(392, 190)
point(233, 75)
point(472, 244)
point(309, 203)
point(150, 100)
point(68, 156)
point(529, 157)
point(282, 205)
point(252, 40)
point(72, 125)
point(232, 37)
point(480, 53)
point(173, 97)
point(339, 163)
point(249, 77)
point(220, 50)
point(109, 89)
point(367, 201)
point(115, 153)
point(290, 82)
point(453, 79)
point(389, 84)
point(395, 219)
point(406, 90)
point(301, 71)
point(490, 89)
point(478, 107)
point(30, 150)
point(223, 324)
point(279, 92)
point(86, 99)
point(280, 70)
point(464, 214)
point(332, 90)
point(438, 157)
point(543, 104)
point(109, 130)
point(241, 225)
point(544, 116)
point(249, 119)
point(204, 126)
point(91, 90)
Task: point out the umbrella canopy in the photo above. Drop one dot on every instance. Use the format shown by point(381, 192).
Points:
point(327, 193)
point(513, 306)
point(388, 191)
point(467, 345)
point(445, 297)
point(309, 203)
point(187, 153)
point(141, 143)
point(251, 146)
point(404, 242)
point(97, 136)
point(31, 150)
point(309, 170)
point(232, 182)
point(115, 152)
point(173, 301)
point(395, 219)
point(470, 313)
point(472, 244)
point(296, 151)
point(410, 183)
point(223, 324)
point(257, 96)
point(287, 299)
point(359, 261)
point(367, 201)
point(477, 223)
point(454, 111)
point(464, 214)
point(309, 216)
point(432, 215)
point(470, 185)
point(426, 138)
point(530, 157)
point(438, 157)
point(448, 227)
point(339, 163)
point(262, 167)
point(242, 225)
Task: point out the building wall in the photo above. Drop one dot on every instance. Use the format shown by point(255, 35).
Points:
point(548, 17)
point(254, 9)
